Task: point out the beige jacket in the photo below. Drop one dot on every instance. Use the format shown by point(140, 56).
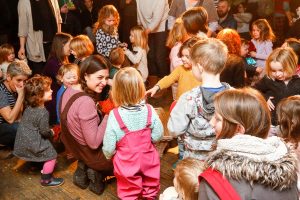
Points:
point(34, 39)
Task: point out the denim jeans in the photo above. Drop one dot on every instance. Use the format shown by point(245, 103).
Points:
point(8, 133)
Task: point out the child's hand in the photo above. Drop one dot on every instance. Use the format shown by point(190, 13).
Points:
point(56, 132)
point(270, 104)
point(152, 91)
point(259, 69)
point(253, 54)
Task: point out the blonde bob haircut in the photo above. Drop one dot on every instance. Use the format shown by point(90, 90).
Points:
point(245, 107)
point(176, 34)
point(128, 87)
point(286, 57)
point(67, 68)
point(186, 177)
point(82, 45)
point(211, 54)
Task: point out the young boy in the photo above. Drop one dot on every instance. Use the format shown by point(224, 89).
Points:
point(191, 115)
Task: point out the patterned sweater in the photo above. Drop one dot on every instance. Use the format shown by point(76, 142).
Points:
point(134, 120)
point(190, 117)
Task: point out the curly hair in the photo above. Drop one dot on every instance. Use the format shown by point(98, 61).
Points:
point(266, 32)
point(232, 40)
point(35, 89)
point(104, 13)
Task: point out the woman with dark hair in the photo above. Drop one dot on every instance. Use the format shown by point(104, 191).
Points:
point(82, 133)
point(60, 50)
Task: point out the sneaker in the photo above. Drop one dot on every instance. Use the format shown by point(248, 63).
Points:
point(47, 180)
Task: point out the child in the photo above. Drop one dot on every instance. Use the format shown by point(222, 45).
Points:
point(32, 141)
point(7, 56)
point(185, 181)
point(131, 130)
point(60, 51)
point(253, 165)
point(295, 45)
point(280, 80)
point(191, 114)
point(262, 38)
point(182, 75)
point(68, 75)
point(177, 36)
point(81, 47)
point(106, 29)
point(288, 115)
point(251, 69)
point(116, 58)
point(139, 41)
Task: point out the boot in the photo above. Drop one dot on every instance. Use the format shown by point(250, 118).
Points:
point(80, 177)
point(96, 181)
point(49, 180)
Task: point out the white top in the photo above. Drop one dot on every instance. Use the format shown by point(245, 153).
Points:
point(139, 59)
point(152, 14)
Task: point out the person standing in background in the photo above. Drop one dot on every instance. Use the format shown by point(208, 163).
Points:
point(37, 30)
point(152, 15)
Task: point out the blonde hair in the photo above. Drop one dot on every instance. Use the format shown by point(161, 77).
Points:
point(176, 34)
point(286, 57)
point(288, 114)
point(186, 177)
point(67, 68)
point(82, 45)
point(245, 107)
point(104, 13)
point(266, 32)
point(128, 87)
point(5, 50)
point(211, 54)
point(140, 37)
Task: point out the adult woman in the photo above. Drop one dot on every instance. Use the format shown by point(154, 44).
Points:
point(257, 167)
point(11, 101)
point(81, 133)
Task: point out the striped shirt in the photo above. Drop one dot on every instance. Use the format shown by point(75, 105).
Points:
point(7, 98)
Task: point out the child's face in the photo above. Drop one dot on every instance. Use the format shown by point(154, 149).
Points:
point(70, 78)
point(217, 122)
point(11, 57)
point(48, 95)
point(186, 58)
point(131, 37)
point(73, 53)
point(244, 50)
point(255, 32)
point(66, 49)
point(110, 21)
point(277, 71)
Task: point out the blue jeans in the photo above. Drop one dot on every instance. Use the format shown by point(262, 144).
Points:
point(8, 133)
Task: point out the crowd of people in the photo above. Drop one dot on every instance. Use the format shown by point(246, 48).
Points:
point(85, 69)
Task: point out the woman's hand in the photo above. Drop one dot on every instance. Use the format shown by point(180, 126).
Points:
point(270, 104)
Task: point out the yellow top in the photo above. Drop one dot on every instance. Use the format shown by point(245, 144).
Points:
point(183, 76)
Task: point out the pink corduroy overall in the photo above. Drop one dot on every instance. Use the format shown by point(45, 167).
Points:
point(136, 162)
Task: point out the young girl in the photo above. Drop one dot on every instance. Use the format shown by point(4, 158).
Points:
point(262, 38)
point(106, 30)
point(139, 41)
point(288, 115)
point(182, 75)
point(7, 55)
point(68, 75)
point(81, 47)
point(177, 36)
point(242, 122)
point(60, 50)
point(185, 181)
point(32, 141)
point(280, 80)
point(131, 130)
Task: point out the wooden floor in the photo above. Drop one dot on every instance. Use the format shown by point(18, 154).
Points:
point(19, 181)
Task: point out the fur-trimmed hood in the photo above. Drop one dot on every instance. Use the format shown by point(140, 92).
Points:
point(269, 162)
